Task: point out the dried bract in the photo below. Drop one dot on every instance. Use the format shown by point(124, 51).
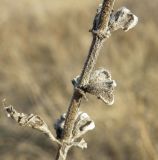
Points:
point(97, 17)
point(123, 18)
point(100, 84)
point(83, 124)
point(59, 125)
point(81, 144)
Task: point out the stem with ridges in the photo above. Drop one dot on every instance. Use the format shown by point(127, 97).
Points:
point(96, 45)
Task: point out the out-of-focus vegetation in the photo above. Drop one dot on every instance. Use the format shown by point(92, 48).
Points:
point(43, 44)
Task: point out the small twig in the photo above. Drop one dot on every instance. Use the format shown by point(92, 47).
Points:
point(31, 120)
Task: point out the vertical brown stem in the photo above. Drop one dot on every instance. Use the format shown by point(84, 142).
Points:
point(96, 45)
point(71, 115)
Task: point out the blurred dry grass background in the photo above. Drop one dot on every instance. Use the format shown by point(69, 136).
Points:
point(43, 44)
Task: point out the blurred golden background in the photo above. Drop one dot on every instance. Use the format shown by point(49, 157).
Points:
point(43, 45)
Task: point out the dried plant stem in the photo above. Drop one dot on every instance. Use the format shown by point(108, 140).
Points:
point(99, 36)
point(74, 124)
point(97, 41)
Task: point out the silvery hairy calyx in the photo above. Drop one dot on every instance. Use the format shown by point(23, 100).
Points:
point(72, 125)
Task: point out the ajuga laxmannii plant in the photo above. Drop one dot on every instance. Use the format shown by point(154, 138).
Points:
point(73, 124)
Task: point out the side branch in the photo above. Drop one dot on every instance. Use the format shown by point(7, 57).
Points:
point(31, 120)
